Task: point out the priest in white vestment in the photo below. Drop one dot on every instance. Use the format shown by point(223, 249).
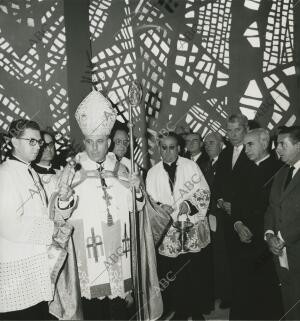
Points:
point(27, 270)
point(101, 220)
point(179, 187)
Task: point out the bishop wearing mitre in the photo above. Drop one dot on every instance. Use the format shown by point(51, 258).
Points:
point(102, 219)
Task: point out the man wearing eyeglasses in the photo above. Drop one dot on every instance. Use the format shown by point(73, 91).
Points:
point(26, 231)
point(120, 143)
point(179, 187)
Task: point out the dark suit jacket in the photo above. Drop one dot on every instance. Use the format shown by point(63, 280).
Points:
point(202, 161)
point(228, 180)
point(283, 214)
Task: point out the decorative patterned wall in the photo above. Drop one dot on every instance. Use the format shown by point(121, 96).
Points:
point(197, 60)
point(33, 82)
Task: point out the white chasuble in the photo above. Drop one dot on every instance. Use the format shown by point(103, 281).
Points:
point(190, 185)
point(102, 230)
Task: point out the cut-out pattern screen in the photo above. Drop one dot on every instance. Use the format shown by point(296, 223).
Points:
point(197, 60)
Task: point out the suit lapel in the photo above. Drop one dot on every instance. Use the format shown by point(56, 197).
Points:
point(238, 161)
point(294, 182)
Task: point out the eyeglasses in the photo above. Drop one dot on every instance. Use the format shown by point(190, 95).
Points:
point(120, 141)
point(33, 141)
point(50, 145)
point(172, 147)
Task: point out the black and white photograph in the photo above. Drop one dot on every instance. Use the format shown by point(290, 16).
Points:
point(150, 160)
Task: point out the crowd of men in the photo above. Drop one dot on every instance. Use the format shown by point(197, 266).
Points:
point(225, 224)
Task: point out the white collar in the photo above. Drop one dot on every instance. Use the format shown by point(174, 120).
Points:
point(21, 160)
point(214, 159)
point(261, 160)
point(195, 157)
point(297, 165)
point(44, 166)
point(238, 148)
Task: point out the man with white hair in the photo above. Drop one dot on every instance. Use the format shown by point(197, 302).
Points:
point(233, 165)
point(256, 290)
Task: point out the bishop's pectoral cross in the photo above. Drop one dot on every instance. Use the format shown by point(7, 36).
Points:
point(126, 242)
point(92, 243)
point(107, 198)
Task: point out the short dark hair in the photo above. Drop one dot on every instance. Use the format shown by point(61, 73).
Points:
point(48, 132)
point(194, 133)
point(293, 132)
point(240, 118)
point(118, 126)
point(17, 127)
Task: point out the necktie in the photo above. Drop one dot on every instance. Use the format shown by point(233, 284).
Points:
point(235, 155)
point(289, 176)
point(37, 183)
point(214, 165)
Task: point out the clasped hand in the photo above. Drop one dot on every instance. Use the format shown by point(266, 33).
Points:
point(275, 245)
point(244, 233)
point(226, 206)
point(65, 192)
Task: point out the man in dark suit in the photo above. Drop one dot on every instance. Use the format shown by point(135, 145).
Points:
point(232, 168)
point(195, 151)
point(213, 144)
point(256, 286)
point(282, 220)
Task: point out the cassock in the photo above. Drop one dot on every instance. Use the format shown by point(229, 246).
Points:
point(31, 247)
point(196, 264)
point(256, 292)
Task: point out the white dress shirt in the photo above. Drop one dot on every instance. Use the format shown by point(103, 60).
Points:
point(236, 153)
point(195, 157)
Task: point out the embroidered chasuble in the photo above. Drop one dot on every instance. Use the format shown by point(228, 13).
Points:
point(102, 229)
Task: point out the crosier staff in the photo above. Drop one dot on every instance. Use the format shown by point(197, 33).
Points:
point(134, 98)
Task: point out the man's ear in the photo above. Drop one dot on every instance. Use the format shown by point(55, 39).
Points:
point(108, 142)
point(14, 142)
point(178, 149)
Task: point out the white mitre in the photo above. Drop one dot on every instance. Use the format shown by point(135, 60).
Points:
point(95, 115)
